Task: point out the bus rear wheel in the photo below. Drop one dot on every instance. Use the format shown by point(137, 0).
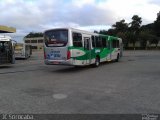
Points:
point(97, 62)
point(117, 58)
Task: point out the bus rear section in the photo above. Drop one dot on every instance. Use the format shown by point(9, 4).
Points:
point(56, 47)
point(6, 51)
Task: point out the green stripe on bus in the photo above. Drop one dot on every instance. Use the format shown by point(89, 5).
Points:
point(104, 52)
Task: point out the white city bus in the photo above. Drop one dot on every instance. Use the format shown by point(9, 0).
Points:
point(6, 51)
point(22, 50)
point(68, 46)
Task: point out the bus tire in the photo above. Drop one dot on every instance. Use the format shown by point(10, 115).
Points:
point(97, 62)
point(117, 59)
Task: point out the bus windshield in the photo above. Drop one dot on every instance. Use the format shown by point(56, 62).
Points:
point(56, 38)
point(5, 52)
point(4, 45)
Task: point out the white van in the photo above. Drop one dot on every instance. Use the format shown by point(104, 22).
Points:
point(23, 50)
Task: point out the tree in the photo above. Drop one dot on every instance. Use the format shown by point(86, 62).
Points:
point(103, 32)
point(157, 26)
point(124, 38)
point(136, 23)
point(118, 29)
point(111, 32)
point(120, 26)
point(32, 34)
point(95, 31)
point(133, 32)
point(153, 39)
point(149, 27)
point(135, 29)
point(144, 36)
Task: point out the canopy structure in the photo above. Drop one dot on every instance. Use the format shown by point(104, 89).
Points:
point(6, 29)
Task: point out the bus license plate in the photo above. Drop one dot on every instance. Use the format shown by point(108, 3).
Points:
point(55, 62)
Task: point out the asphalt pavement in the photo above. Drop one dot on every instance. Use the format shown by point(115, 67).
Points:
point(128, 86)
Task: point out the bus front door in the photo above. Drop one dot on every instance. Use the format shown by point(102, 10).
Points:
point(87, 49)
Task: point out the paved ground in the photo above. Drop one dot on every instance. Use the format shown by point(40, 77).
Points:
point(129, 86)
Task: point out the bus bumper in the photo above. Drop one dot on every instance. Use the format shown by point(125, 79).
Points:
point(58, 62)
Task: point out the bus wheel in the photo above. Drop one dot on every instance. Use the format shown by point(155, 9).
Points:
point(97, 62)
point(117, 58)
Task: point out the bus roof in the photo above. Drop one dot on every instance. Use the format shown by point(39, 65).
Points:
point(73, 29)
point(86, 32)
point(5, 38)
point(112, 37)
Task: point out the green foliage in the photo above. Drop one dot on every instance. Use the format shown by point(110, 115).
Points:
point(32, 35)
point(120, 26)
point(147, 27)
point(157, 26)
point(153, 39)
point(111, 32)
point(144, 36)
point(124, 38)
point(104, 32)
point(95, 31)
point(136, 23)
point(133, 31)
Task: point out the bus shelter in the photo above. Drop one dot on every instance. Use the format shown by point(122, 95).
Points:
point(6, 29)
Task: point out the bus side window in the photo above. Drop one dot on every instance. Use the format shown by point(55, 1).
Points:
point(109, 44)
point(104, 42)
point(77, 39)
point(115, 43)
point(86, 43)
point(93, 41)
point(118, 44)
point(98, 41)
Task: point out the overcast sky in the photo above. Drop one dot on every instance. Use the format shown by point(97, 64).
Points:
point(38, 15)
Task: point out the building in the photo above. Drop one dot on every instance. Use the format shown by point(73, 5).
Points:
point(36, 42)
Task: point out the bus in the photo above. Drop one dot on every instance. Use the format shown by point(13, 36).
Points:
point(6, 51)
point(69, 46)
point(22, 50)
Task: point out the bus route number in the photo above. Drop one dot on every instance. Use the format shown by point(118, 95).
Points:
point(55, 54)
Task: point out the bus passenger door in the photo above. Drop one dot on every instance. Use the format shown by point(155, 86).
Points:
point(87, 49)
point(110, 50)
